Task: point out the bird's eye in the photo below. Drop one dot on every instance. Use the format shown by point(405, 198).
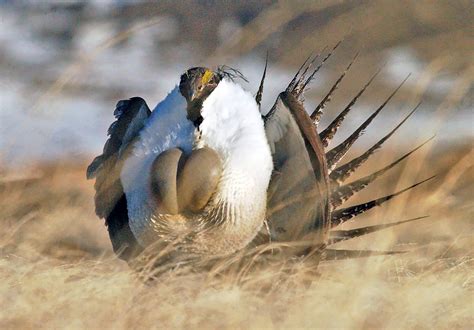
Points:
point(200, 88)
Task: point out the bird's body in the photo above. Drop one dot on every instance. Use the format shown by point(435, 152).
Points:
point(166, 128)
point(231, 126)
point(205, 170)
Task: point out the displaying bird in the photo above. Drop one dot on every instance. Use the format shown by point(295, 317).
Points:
point(207, 170)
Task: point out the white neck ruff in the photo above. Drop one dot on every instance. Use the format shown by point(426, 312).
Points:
point(232, 125)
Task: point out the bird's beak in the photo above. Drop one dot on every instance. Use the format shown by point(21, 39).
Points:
point(204, 92)
point(194, 96)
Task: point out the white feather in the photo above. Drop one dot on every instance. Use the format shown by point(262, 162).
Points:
point(232, 125)
point(166, 128)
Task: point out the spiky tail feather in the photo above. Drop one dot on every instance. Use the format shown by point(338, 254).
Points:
point(341, 194)
point(343, 172)
point(258, 97)
point(302, 87)
point(328, 133)
point(297, 87)
point(317, 113)
point(333, 156)
point(345, 214)
point(336, 236)
point(297, 78)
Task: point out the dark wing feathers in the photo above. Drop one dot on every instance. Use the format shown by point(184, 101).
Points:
point(124, 243)
point(298, 199)
point(300, 190)
point(110, 201)
point(131, 115)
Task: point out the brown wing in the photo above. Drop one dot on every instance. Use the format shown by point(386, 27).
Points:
point(110, 201)
point(298, 203)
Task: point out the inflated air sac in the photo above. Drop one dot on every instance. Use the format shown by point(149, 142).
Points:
point(181, 184)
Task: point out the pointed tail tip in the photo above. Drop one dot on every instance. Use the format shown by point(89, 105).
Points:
point(342, 215)
point(341, 194)
point(336, 154)
point(336, 236)
point(258, 97)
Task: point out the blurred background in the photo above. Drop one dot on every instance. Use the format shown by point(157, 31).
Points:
point(65, 64)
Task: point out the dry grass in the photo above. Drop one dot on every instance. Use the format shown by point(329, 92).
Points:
point(57, 268)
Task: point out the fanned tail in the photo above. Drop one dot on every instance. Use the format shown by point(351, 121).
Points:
point(342, 215)
point(328, 133)
point(343, 172)
point(341, 194)
point(333, 156)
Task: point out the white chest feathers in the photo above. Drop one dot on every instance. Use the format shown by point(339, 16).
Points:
point(232, 125)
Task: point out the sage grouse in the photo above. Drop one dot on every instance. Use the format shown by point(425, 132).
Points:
point(207, 170)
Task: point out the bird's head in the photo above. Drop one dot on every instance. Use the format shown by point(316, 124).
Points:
point(196, 85)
